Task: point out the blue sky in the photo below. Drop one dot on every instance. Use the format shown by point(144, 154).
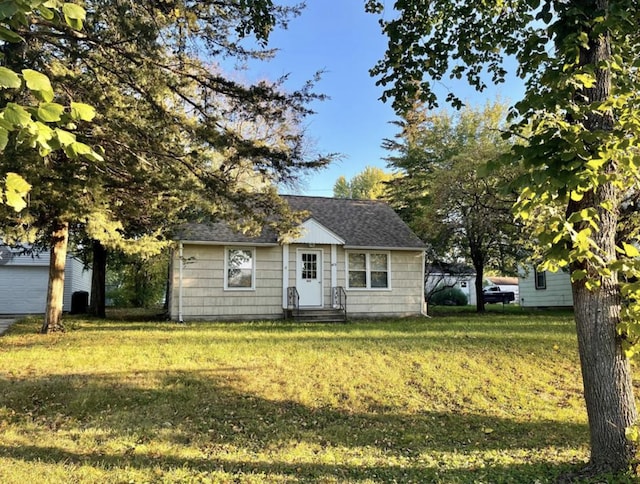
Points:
point(339, 37)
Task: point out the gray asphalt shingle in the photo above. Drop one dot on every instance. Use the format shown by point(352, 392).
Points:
point(360, 223)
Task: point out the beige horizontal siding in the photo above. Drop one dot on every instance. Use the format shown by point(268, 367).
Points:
point(204, 296)
point(405, 297)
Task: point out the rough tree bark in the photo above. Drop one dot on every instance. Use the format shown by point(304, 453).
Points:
point(97, 307)
point(606, 371)
point(55, 290)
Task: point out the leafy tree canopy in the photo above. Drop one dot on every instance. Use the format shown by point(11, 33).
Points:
point(579, 122)
point(42, 124)
point(446, 193)
point(369, 184)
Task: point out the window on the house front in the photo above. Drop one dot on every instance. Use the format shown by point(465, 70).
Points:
point(541, 279)
point(310, 266)
point(368, 270)
point(239, 270)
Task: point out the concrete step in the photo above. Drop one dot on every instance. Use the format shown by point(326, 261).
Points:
point(318, 315)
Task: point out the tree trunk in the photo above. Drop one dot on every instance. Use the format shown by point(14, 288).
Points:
point(606, 374)
point(98, 281)
point(606, 371)
point(478, 285)
point(477, 258)
point(55, 290)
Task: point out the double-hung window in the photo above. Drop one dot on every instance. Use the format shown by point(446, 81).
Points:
point(540, 279)
point(239, 268)
point(368, 270)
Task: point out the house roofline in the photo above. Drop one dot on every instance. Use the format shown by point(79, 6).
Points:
point(272, 244)
point(371, 247)
point(230, 242)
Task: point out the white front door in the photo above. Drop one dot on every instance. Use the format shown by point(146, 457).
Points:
point(309, 277)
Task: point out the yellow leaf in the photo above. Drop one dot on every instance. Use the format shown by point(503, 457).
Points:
point(630, 250)
point(16, 190)
point(16, 183)
point(576, 197)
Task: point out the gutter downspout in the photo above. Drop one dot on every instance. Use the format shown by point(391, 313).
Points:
point(180, 267)
point(423, 311)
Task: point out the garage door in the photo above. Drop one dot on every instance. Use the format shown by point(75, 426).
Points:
point(23, 290)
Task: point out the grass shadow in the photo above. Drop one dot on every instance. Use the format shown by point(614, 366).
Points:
point(204, 412)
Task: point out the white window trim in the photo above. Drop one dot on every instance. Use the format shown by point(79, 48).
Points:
point(368, 254)
point(226, 268)
point(539, 287)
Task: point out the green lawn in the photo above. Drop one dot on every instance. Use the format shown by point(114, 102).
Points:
point(456, 398)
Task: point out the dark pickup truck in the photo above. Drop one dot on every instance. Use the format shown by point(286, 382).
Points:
point(493, 294)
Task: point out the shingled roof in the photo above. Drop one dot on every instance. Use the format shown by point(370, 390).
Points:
point(360, 223)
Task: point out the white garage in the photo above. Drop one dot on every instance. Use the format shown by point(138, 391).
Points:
point(24, 278)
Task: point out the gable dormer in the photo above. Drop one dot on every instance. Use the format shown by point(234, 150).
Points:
point(313, 232)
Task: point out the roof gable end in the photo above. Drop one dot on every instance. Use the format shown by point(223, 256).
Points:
point(313, 232)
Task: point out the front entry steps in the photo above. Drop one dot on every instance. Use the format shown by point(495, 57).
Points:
point(317, 315)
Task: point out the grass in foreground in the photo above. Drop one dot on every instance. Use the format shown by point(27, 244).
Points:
point(451, 399)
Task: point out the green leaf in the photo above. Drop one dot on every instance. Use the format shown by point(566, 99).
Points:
point(81, 148)
point(50, 112)
point(8, 9)
point(4, 138)
point(93, 156)
point(17, 115)
point(9, 35)
point(64, 137)
point(74, 11)
point(74, 15)
point(578, 275)
point(39, 83)
point(46, 13)
point(9, 79)
point(75, 24)
point(81, 111)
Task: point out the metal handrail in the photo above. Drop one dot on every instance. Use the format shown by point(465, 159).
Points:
point(293, 299)
point(340, 299)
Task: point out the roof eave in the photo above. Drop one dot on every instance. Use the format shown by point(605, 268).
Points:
point(366, 247)
point(230, 242)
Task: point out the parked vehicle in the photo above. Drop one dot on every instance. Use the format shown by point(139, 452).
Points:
point(493, 294)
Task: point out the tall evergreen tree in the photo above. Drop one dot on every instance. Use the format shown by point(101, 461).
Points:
point(167, 124)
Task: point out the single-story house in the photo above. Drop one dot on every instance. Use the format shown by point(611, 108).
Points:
point(451, 275)
point(544, 289)
point(24, 279)
point(356, 257)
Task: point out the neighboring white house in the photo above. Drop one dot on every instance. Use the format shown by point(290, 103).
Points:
point(545, 289)
point(352, 255)
point(24, 279)
point(454, 275)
